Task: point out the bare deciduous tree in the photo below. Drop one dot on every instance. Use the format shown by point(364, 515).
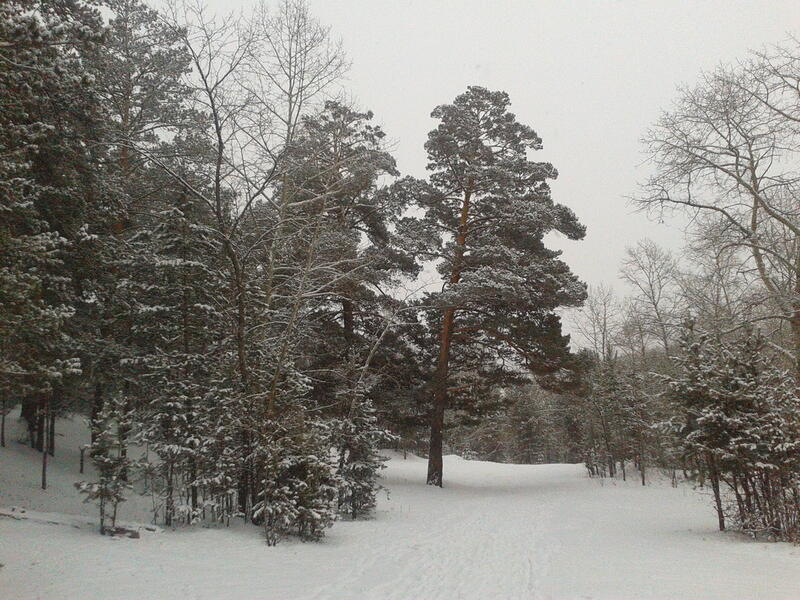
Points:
point(730, 147)
point(652, 271)
point(598, 321)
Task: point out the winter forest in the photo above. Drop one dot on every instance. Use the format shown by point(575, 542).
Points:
point(230, 321)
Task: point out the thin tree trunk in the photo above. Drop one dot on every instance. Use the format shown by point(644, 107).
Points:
point(40, 427)
point(186, 348)
point(44, 416)
point(123, 432)
point(641, 463)
point(348, 320)
point(97, 406)
point(3, 424)
point(169, 504)
point(28, 412)
point(240, 335)
point(714, 476)
point(242, 486)
point(102, 517)
point(51, 436)
point(193, 486)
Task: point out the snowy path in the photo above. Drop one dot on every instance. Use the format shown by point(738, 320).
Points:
point(496, 531)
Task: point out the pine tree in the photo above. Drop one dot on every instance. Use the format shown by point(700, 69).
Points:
point(339, 152)
point(49, 195)
point(175, 293)
point(502, 284)
point(110, 460)
point(298, 489)
point(739, 425)
point(138, 80)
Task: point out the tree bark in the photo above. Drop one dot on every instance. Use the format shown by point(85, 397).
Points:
point(348, 321)
point(3, 424)
point(97, 406)
point(435, 463)
point(28, 412)
point(193, 486)
point(641, 462)
point(40, 427)
point(44, 415)
point(714, 476)
point(51, 436)
point(124, 431)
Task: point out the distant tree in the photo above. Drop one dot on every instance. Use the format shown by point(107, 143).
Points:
point(598, 321)
point(653, 274)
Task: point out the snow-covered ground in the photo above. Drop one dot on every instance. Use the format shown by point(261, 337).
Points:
point(495, 531)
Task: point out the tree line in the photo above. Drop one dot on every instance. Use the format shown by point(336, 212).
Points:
point(212, 255)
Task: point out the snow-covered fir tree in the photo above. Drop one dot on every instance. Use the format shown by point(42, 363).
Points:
point(108, 453)
point(50, 195)
point(175, 300)
point(739, 428)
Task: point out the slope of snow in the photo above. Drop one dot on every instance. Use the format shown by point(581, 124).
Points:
point(495, 531)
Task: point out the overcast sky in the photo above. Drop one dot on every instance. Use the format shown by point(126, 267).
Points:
point(589, 77)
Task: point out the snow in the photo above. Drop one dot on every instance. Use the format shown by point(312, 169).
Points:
point(495, 531)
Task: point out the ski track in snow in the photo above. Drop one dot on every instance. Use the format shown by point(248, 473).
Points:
point(494, 532)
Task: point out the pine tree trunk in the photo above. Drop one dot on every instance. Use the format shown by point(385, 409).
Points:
point(3, 425)
point(97, 406)
point(123, 433)
point(28, 412)
point(186, 349)
point(714, 476)
point(348, 320)
point(51, 436)
point(169, 503)
point(40, 428)
point(641, 461)
point(240, 335)
point(242, 487)
point(102, 517)
point(43, 416)
point(193, 486)
point(435, 462)
point(435, 466)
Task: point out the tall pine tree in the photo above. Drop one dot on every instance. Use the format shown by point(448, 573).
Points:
point(502, 285)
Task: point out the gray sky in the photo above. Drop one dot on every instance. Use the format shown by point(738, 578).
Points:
point(589, 77)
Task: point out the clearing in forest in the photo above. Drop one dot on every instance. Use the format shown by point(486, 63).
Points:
point(495, 531)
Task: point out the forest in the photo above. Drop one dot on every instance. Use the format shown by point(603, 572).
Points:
point(209, 253)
